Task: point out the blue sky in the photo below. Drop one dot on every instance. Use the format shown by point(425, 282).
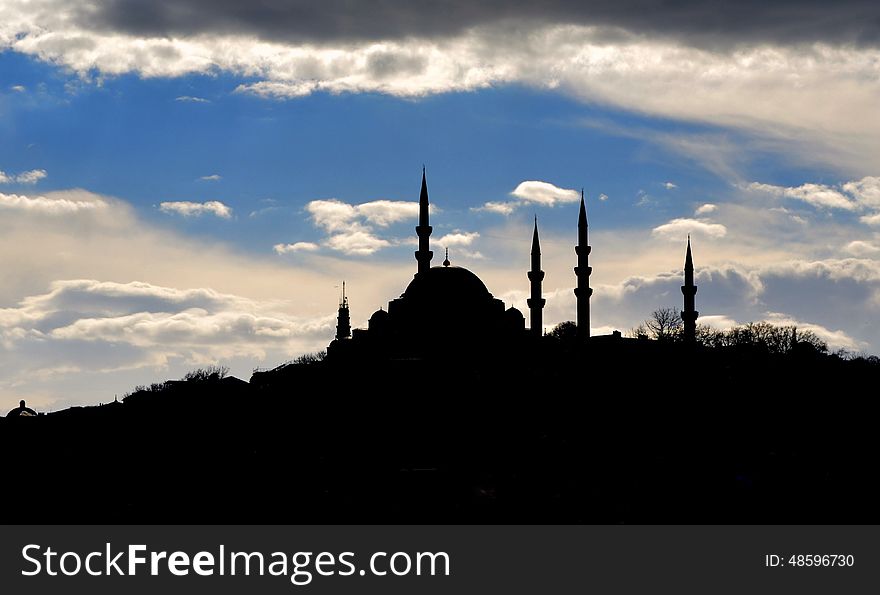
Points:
point(170, 199)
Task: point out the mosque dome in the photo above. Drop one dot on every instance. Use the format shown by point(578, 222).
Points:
point(22, 411)
point(449, 284)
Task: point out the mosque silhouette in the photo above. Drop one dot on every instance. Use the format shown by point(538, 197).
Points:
point(447, 409)
point(450, 307)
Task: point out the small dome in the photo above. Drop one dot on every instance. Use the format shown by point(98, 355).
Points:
point(378, 320)
point(22, 411)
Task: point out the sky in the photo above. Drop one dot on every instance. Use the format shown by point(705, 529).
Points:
point(187, 182)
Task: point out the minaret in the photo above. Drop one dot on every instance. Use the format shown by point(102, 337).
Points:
point(583, 272)
point(343, 320)
point(536, 276)
point(689, 313)
point(423, 254)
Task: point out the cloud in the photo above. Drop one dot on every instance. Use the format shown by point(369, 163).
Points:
point(544, 193)
point(197, 209)
point(386, 212)
point(18, 88)
point(212, 178)
point(603, 197)
point(861, 248)
point(532, 192)
point(57, 203)
point(854, 196)
point(357, 240)
point(296, 247)
point(865, 191)
point(85, 323)
point(190, 99)
point(670, 185)
point(28, 177)
point(785, 21)
point(677, 229)
point(870, 219)
point(502, 208)
point(817, 93)
point(350, 226)
point(817, 195)
point(458, 238)
point(705, 209)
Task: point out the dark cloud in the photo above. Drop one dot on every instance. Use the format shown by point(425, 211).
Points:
point(700, 22)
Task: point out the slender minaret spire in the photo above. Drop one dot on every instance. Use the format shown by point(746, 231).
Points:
point(583, 272)
point(536, 276)
point(689, 313)
point(343, 320)
point(423, 254)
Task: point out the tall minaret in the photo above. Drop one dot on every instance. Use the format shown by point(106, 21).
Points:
point(343, 320)
point(423, 255)
point(689, 313)
point(583, 272)
point(536, 275)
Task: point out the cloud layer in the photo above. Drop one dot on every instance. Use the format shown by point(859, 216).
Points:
point(783, 21)
point(802, 74)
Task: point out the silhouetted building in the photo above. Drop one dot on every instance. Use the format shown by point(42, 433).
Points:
point(583, 272)
point(536, 276)
point(442, 306)
point(449, 308)
point(22, 411)
point(343, 320)
point(689, 290)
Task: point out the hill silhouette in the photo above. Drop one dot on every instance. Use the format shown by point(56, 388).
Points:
point(559, 430)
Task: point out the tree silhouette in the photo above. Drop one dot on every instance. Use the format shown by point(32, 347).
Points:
point(564, 332)
point(665, 324)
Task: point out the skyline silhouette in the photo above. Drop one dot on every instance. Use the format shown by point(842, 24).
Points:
point(448, 408)
point(644, 286)
point(169, 201)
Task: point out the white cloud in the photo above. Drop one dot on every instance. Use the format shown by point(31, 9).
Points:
point(458, 238)
point(196, 209)
point(865, 191)
point(870, 219)
point(331, 214)
point(350, 226)
point(817, 195)
point(58, 203)
point(544, 193)
point(356, 240)
point(191, 99)
point(678, 229)
point(296, 247)
point(603, 197)
point(28, 177)
point(386, 212)
point(861, 248)
point(670, 185)
point(705, 209)
point(502, 208)
point(86, 324)
point(18, 88)
point(532, 192)
point(854, 196)
point(211, 178)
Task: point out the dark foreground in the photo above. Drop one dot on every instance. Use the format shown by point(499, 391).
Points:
point(635, 433)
